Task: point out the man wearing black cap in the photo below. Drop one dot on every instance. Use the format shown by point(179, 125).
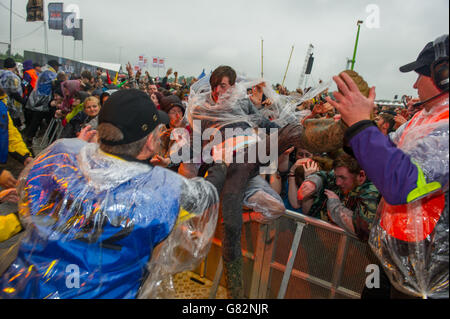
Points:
point(54, 64)
point(410, 169)
point(97, 211)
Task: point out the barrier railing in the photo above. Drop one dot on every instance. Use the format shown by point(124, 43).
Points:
point(323, 260)
point(52, 133)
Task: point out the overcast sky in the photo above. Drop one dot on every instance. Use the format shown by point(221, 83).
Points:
point(203, 34)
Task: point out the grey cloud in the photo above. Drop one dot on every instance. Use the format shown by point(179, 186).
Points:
point(199, 34)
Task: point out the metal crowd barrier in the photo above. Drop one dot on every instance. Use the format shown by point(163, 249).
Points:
point(52, 133)
point(296, 257)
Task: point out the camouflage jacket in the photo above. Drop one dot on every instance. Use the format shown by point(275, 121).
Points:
point(360, 205)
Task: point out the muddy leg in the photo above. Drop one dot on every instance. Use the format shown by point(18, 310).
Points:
point(231, 205)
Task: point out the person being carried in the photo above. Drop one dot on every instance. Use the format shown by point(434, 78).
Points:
point(220, 105)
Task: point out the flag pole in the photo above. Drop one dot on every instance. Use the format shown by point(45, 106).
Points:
point(262, 58)
point(45, 28)
point(289, 62)
point(45, 38)
point(356, 44)
point(10, 29)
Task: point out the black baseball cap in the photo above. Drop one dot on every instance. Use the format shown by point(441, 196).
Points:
point(54, 63)
point(134, 113)
point(9, 63)
point(423, 63)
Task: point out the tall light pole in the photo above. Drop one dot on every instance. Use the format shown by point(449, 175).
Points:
point(45, 38)
point(10, 29)
point(262, 58)
point(45, 30)
point(289, 62)
point(356, 43)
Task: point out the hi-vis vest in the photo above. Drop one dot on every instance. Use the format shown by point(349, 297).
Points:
point(400, 221)
point(34, 77)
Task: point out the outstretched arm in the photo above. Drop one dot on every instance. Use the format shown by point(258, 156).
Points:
point(377, 155)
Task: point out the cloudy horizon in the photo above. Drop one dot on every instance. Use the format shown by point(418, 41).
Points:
point(200, 34)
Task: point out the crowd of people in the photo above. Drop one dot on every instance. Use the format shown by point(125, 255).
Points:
point(384, 160)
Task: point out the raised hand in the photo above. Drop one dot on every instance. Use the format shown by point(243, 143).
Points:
point(257, 94)
point(310, 167)
point(283, 160)
point(87, 134)
point(129, 69)
point(350, 102)
point(298, 163)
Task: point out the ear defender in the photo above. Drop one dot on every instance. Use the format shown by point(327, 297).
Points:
point(439, 68)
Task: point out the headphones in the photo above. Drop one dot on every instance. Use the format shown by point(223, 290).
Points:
point(439, 68)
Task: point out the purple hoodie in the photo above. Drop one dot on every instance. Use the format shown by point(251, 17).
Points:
point(27, 65)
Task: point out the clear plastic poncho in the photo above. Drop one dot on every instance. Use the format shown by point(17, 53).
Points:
point(411, 241)
point(92, 222)
point(234, 109)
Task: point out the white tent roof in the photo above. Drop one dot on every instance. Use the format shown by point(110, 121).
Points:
point(104, 65)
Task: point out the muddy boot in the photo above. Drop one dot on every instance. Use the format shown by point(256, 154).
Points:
point(233, 278)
